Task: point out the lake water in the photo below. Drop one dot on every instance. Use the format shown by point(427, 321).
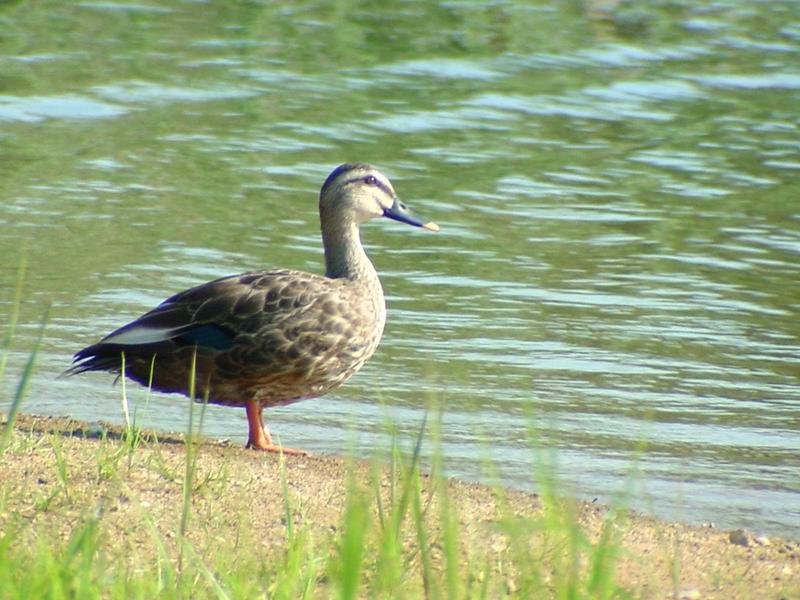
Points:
point(618, 184)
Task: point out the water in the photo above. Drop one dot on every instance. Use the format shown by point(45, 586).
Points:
point(617, 274)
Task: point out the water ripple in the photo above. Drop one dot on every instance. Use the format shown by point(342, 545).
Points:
point(576, 105)
point(32, 109)
point(148, 92)
point(441, 68)
point(755, 81)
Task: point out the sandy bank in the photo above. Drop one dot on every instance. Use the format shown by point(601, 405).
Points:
point(239, 493)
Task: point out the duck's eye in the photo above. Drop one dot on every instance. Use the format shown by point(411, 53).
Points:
point(371, 180)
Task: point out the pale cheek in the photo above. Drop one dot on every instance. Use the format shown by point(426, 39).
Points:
point(372, 211)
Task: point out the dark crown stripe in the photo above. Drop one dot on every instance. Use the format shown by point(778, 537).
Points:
point(339, 171)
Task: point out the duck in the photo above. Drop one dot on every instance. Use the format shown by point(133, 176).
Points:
point(268, 338)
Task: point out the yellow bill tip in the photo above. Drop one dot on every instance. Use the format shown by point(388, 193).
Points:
point(431, 226)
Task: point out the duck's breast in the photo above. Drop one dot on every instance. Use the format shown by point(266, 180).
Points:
point(315, 334)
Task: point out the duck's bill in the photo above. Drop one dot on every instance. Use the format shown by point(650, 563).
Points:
point(400, 212)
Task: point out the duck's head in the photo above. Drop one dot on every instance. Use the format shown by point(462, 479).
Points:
point(360, 192)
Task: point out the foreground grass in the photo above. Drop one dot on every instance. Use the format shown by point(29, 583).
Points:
point(107, 517)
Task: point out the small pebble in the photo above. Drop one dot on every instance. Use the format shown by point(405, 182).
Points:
point(691, 594)
point(95, 431)
point(762, 540)
point(511, 586)
point(787, 570)
point(739, 537)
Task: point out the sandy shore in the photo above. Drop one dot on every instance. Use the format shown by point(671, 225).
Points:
point(234, 485)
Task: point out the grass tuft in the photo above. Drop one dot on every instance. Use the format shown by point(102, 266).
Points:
point(27, 372)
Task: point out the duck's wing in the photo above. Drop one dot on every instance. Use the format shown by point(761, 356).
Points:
point(209, 317)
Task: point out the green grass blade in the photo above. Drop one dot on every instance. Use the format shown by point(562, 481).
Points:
point(24, 380)
point(126, 413)
point(188, 477)
point(14, 316)
point(287, 505)
point(203, 570)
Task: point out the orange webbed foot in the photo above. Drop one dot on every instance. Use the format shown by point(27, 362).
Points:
point(270, 447)
point(259, 437)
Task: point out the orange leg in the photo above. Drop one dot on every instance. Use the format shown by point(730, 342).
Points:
point(258, 436)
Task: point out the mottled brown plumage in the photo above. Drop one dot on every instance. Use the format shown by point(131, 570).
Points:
point(271, 337)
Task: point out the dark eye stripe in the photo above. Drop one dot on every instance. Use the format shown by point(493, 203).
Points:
point(377, 183)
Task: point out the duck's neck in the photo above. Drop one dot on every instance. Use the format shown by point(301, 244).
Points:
point(344, 254)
